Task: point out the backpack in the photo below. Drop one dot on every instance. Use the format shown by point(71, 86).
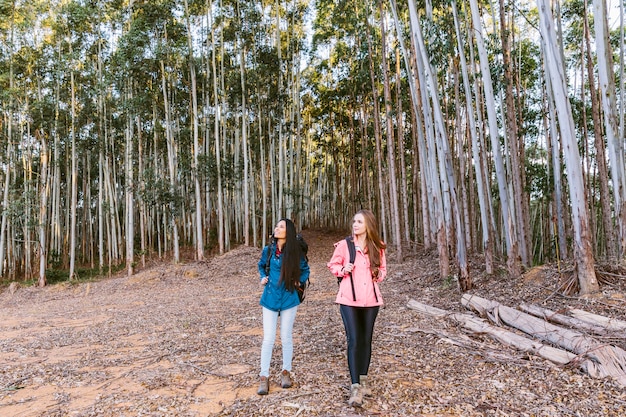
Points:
point(301, 288)
point(352, 252)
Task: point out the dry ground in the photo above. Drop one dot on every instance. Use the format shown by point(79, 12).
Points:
point(185, 341)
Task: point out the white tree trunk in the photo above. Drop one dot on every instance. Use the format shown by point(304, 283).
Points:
point(244, 140)
point(196, 143)
point(476, 150)
point(580, 217)
point(434, 185)
point(615, 144)
point(44, 190)
point(74, 180)
point(494, 136)
point(391, 151)
point(171, 162)
point(446, 169)
point(130, 224)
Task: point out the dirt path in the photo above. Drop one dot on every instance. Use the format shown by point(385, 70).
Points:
point(185, 341)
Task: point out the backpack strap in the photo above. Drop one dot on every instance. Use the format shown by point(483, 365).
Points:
point(352, 251)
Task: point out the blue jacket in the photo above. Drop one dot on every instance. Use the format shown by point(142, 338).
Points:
point(275, 296)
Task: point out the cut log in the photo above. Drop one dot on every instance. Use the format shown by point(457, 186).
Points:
point(562, 319)
point(506, 337)
point(610, 360)
point(609, 324)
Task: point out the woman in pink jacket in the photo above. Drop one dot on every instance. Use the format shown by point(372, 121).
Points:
point(359, 297)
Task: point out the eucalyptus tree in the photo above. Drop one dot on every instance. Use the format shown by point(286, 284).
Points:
point(514, 139)
point(9, 32)
point(391, 154)
point(507, 209)
point(199, 241)
point(439, 138)
point(600, 147)
point(485, 207)
point(615, 143)
point(583, 254)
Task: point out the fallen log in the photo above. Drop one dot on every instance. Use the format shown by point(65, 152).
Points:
point(607, 323)
point(562, 319)
point(609, 360)
point(477, 325)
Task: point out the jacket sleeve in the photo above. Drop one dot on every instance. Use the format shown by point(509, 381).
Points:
point(338, 260)
point(263, 262)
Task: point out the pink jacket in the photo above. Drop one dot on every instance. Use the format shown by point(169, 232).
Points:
point(364, 286)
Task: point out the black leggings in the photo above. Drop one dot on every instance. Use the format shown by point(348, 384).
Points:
point(359, 324)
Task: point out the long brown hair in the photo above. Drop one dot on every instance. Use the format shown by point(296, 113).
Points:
point(373, 241)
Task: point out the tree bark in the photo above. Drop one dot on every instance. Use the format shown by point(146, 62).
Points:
point(607, 99)
point(391, 151)
point(501, 174)
point(580, 218)
point(603, 173)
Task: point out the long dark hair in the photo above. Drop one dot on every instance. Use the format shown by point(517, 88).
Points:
point(373, 242)
point(292, 255)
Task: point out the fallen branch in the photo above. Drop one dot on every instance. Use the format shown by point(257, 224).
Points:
point(562, 319)
point(605, 360)
point(607, 323)
point(506, 337)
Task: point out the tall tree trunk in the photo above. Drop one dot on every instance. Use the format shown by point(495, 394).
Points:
point(171, 162)
point(607, 100)
point(436, 200)
point(501, 176)
point(199, 242)
point(391, 154)
point(487, 231)
point(5, 197)
point(244, 140)
point(44, 190)
point(130, 224)
point(218, 155)
point(516, 146)
point(419, 147)
point(401, 151)
point(377, 134)
point(74, 177)
point(444, 154)
point(580, 218)
point(554, 150)
point(603, 173)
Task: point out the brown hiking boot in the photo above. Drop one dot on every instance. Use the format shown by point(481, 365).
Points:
point(264, 386)
point(285, 379)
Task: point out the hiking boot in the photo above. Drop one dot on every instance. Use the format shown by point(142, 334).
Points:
point(285, 379)
point(264, 386)
point(356, 397)
point(365, 386)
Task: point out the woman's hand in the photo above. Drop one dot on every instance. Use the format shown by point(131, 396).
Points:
point(347, 269)
point(264, 280)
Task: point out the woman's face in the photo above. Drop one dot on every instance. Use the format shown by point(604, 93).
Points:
point(358, 225)
point(280, 231)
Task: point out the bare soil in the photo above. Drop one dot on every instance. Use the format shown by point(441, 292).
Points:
point(184, 340)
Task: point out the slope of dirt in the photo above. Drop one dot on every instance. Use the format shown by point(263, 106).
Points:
point(185, 340)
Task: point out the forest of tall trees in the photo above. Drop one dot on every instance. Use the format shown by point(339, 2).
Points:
point(133, 129)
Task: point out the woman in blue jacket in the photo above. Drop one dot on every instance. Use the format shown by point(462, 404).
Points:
point(288, 269)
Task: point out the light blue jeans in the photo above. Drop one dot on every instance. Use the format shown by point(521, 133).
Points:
point(270, 321)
